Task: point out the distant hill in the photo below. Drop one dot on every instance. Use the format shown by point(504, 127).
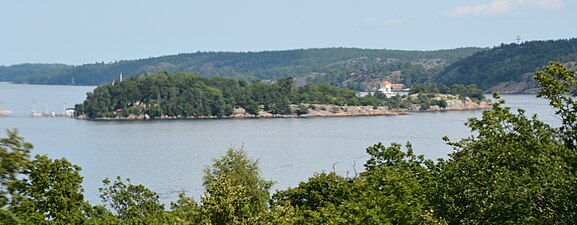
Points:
point(351, 67)
point(508, 68)
point(8, 73)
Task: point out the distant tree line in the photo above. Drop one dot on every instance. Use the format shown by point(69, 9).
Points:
point(507, 63)
point(470, 91)
point(32, 71)
point(357, 69)
point(265, 65)
point(512, 169)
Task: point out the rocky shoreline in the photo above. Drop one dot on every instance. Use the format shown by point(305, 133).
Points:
point(320, 110)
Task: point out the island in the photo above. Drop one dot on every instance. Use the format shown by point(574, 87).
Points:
point(188, 95)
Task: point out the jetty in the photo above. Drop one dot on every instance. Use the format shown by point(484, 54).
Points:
point(69, 112)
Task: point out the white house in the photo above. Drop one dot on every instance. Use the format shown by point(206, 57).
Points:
point(391, 89)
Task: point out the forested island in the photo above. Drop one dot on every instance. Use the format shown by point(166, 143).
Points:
point(188, 95)
point(512, 169)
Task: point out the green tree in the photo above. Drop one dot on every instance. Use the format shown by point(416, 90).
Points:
point(38, 191)
point(392, 190)
point(515, 170)
point(301, 110)
point(53, 193)
point(558, 84)
point(134, 204)
point(235, 191)
point(14, 161)
point(185, 211)
point(155, 111)
point(319, 191)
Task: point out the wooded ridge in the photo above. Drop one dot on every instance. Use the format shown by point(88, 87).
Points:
point(350, 67)
point(505, 68)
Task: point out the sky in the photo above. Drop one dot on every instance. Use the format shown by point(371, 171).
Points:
point(81, 31)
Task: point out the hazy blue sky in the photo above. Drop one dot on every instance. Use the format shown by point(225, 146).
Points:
point(82, 31)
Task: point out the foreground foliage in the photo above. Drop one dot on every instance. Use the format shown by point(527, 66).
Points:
point(513, 169)
point(516, 169)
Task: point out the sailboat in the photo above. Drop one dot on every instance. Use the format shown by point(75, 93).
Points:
point(35, 113)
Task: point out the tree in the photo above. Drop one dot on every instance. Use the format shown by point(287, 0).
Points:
point(392, 190)
point(132, 203)
point(558, 84)
point(52, 192)
point(185, 211)
point(397, 185)
point(235, 191)
point(155, 111)
point(514, 170)
point(301, 110)
point(14, 161)
point(319, 191)
point(39, 190)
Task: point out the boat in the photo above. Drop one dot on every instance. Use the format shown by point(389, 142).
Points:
point(35, 114)
point(5, 113)
point(69, 112)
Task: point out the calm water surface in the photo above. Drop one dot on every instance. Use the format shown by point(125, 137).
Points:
point(169, 156)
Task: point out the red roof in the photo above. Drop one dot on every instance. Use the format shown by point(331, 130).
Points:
point(393, 85)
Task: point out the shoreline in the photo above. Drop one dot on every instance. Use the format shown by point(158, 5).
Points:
point(334, 111)
point(291, 116)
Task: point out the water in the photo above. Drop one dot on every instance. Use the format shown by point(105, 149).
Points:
point(169, 156)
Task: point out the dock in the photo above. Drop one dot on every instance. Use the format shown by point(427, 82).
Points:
point(67, 113)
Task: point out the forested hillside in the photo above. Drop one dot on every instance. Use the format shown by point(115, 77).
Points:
point(40, 71)
point(351, 67)
point(509, 66)
point(505, 68)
